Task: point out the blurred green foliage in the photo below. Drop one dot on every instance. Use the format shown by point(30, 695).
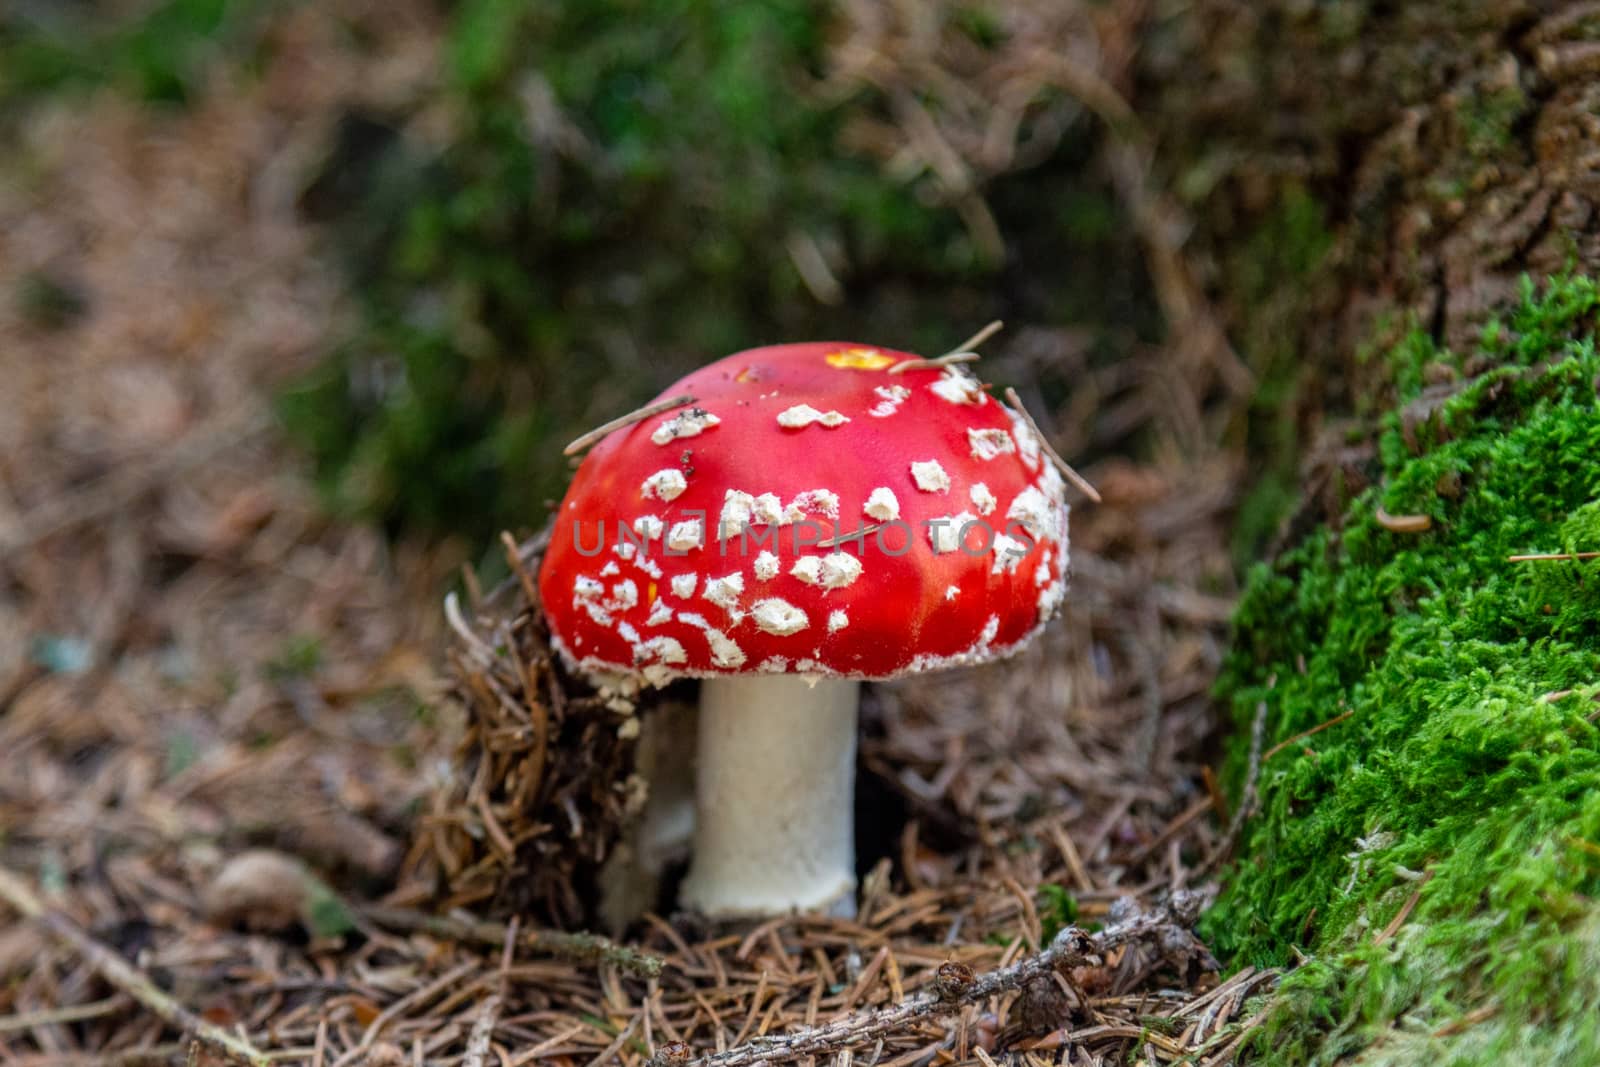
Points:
point(592, 199)
point(60, 45)
point(1058, 909)
point(623, 196)
point(615, 206)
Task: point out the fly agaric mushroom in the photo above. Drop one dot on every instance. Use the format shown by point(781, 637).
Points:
point(810, 520)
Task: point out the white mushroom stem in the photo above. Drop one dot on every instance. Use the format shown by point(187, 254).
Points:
point(774, 796)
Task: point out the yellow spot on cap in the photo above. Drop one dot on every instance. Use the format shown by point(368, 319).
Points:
point(750, 374)
point(652, 594)
point(859, 359)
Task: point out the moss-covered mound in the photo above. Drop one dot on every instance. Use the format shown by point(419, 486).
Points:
point(1436, 850)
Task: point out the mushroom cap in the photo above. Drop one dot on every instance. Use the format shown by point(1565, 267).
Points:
point(963, 558)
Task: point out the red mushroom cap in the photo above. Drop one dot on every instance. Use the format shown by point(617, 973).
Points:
point(962, 550)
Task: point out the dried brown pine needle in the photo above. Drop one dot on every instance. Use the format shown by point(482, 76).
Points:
point(597, 434)
point(1404, 523)
point(1044, 442)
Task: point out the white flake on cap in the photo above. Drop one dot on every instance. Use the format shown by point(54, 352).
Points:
point(691, 423)
point(774, 665)
point(624, 595)
point(982, 498)
point(768, 510)
point(980, 651)
point(808, 569)
point(766, 566)
point(777, 616)
point(724, 593)
point(837, 620)
point(665, 484)
point(584, 594)
point(656, 656)
point(686, 535)
point(952, 591)
point(1050, 598)
point(649, 527)
point(839, 570)
point(882, 504)
point(610, 569)
point(683, 584)
point(802, 415)
point(1033, 509)
point(929, 476)
point(1041, 573)
point(695, 619)
point(990, 443)
point(666, 649)
point(824, 502)
point(1027, 443)
point(958, 387)
point(944, 532)
point(891, 397)
point(836, 570)
point(737, 508)
point(725, 652)
point(1008, 553)
point(1054, 487)
point(660, 614)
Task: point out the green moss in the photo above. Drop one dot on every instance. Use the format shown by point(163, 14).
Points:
point(1462, 784)
point(1489, 117)
point(159, 54)
point(1058, 909)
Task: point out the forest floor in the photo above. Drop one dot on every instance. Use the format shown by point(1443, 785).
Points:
point(197, 662)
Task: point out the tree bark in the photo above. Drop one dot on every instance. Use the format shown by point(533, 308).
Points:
point(1445, 150)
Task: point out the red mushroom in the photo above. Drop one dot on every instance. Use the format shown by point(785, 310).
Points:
point(811, 520)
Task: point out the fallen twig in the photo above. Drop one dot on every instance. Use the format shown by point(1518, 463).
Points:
point(1303, 734)
point(918, 363)
point(599, 432)
point(577, 946)
point(478, 1044)
point(72, 1013)
point(1403, 523)
point(971, 344)
point(1055, 457)
point(1247, 799)
point(474, 643)
point(120, 973)
point(839, 539)
point(956, 986)
point(965, 352)
point(1404, 913)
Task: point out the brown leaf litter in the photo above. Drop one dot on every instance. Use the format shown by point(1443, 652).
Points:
point(197, 665)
